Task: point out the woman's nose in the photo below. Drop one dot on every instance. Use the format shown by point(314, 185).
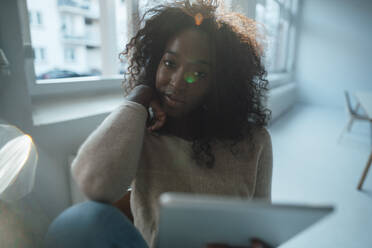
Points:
point(178, 80)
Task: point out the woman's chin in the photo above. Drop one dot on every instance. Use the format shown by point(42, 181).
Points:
point(175, 113)
point(178, 111)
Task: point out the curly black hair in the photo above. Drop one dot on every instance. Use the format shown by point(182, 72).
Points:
point(238, 93)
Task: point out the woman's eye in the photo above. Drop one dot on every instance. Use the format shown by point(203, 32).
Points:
point(169, 63)
point(200, 74)
point(192, 77)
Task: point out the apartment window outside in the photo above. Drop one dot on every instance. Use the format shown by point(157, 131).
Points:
point(39, 18)
point(66, 25)
point(40, 55)
point(69, 54)
point(35, 18)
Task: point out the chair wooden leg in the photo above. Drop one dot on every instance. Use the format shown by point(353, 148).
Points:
point(350, 123)
point(343, 131)
point(370, 124)
point(365, 172)
point(357, 107)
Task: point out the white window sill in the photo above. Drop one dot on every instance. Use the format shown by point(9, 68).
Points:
point(278, 79)
point(56, 109)
point(77, 84)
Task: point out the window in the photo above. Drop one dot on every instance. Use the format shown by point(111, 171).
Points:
point(66, 25)
point(35, 18)
point(40, 55)
point(72, 34)
point(39, 18)
point(277, 18)
point(69, 54)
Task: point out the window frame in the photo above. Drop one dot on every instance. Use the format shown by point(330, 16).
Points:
point(46, 87)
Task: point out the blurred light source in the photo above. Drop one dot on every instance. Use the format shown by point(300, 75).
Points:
point(18, 161)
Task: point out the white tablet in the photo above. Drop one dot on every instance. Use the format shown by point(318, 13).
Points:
point(191, 221)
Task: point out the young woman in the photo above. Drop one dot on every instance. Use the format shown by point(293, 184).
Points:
point(193, 121)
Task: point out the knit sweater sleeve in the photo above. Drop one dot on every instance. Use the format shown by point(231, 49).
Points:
point(264, 169)
point(106, 163)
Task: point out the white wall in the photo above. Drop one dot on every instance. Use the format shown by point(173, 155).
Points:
point(335, 50)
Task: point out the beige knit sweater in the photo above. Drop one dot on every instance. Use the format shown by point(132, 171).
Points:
point(122, 153)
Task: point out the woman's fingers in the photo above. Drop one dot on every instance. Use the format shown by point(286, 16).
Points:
point(158, 124)
point(159, 115)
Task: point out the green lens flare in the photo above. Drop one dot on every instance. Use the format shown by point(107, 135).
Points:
point(190, 80)
point(189, 77)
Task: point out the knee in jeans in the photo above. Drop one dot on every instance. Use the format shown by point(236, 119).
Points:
point(82, 221)
point(89, 213)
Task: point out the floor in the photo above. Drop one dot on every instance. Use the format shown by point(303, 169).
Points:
point(311, 167)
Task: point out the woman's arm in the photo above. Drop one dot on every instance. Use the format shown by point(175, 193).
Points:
point(264, 169)
point(106, 163)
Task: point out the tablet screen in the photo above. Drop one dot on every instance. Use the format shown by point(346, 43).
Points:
point(189, 220)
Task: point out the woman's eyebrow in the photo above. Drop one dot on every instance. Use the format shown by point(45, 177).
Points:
point(172, 53)
point(201, 61)
point(197, 61)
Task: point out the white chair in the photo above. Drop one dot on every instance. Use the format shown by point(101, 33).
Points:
point(354, 115)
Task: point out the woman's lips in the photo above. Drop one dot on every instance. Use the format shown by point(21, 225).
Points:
point(173, 102)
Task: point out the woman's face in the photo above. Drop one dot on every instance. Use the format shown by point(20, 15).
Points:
point(184, 73)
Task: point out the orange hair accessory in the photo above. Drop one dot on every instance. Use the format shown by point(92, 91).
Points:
point(198, 19)
point(201, 10)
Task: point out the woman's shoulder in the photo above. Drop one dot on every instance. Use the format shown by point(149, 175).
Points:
point(256, 138)
point(163, 140)
point(258, 134)
point(253, 139)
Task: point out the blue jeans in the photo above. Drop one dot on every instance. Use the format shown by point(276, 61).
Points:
point(93, 224)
